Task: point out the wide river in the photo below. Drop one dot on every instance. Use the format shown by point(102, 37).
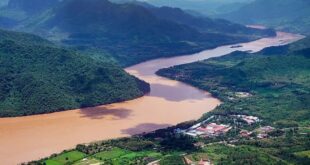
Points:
point(169, 102)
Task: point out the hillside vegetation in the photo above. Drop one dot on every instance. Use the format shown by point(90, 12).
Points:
point(272, 76)
point(168, 148)
point(278, 83)
point(206, 7)
point(130, 32)
point(207, 25)
point(32, 7)
point(14, 12)
point(38, 77)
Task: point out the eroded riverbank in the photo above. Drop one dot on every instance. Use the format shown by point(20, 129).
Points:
point(170, 102)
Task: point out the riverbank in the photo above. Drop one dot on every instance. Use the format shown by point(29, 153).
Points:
point(254, 88)
point(33, 137)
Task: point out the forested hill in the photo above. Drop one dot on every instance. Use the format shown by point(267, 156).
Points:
point(272, 76)
point(289, 15)
point(132, 33)
point(205, 7)
point(205, 24)
point(198, 22)
point(37, 77)
point(14, 12)
point(276, 82)
point(23, 38)
point(32, 6)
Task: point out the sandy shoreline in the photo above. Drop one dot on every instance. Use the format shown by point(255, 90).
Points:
point(170, 102)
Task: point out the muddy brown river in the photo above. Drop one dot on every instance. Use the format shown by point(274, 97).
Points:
point(169, 102)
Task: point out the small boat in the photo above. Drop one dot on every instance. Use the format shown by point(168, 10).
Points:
point(236, 46)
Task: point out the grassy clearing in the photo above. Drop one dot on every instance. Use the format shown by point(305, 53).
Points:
point(65, 158)
point(172, 160)
point(305, 154)
point(120, 156)
point(114, 153)
point(304, 129)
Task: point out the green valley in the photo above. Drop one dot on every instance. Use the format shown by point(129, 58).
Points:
point(130, 32)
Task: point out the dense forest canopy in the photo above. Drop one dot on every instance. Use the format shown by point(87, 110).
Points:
point(39, 77)
point(271, 75)
point(129, 32)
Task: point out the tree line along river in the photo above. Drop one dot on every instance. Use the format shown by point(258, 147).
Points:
point(169, 102)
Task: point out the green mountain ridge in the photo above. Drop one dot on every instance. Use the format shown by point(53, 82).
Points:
point(16, 11)
point(206, 7)
point(133, 33)
point(271, 75)
point(39, 77)
point(32, 6)
point(205, 24)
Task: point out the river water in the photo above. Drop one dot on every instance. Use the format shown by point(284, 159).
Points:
point(169, 102)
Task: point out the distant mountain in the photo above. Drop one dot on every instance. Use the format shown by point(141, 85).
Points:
point(205, 24)
point(290, 15)
point(194, 19)
point(206, 7)
point(32, 6)
point(13, 12)
point(134, 33)
point(137, 2)
point(38, 77)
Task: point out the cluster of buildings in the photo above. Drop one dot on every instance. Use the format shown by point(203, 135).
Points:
point(242, 94)
point(210, 128)
point(248, 119)
point(263, 132)
point(207, 130)
point(245, 133)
